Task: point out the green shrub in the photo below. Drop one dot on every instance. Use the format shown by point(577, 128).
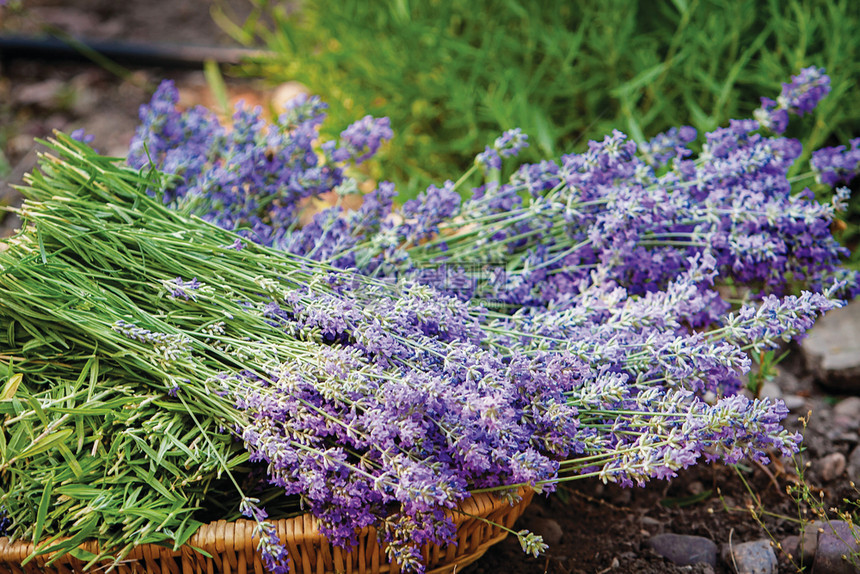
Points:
point(452, 74)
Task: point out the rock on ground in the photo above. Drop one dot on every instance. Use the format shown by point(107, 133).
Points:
point(685, 550)
point(832, 349)
point(756, 557)
point(837, 541)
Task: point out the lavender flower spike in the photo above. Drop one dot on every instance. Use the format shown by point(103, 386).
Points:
point(800, 96)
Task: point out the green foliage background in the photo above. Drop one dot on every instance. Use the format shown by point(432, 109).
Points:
point(453, 74)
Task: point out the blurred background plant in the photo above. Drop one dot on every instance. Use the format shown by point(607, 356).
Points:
point(453, 74)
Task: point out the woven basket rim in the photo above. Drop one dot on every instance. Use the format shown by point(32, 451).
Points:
point(298, 534)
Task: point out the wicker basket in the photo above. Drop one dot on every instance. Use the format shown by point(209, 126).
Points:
point(233, 551)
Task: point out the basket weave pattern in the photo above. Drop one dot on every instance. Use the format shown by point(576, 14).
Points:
point(234, 551)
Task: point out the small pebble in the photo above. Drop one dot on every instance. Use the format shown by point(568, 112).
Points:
point(832, 349)
point(831, 466)
point(790, 546)
point(794, 402)
point(548, 529)
point(843, 423)
point(696, 487)
point(854, 465)
point(809, 542)
point(45, 93)
point(685, 550)
point(800, 548)
point(756, 557)
point(849, 408)
point(770, 390)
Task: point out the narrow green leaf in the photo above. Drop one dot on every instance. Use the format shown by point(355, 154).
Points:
point(217, 85)
point(74, 465)
point(45, 443)
point(11, 386)
point(681, 5)
point(151, 481)
point(42, 513)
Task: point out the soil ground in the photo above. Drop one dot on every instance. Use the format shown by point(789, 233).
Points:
point(603, 528)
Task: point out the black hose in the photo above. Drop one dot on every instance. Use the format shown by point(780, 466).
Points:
point(126, 53)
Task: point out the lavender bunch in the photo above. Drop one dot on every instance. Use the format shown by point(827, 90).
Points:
point(369, 401)
point(252, 176)
point(533, 240)
point(655, 396)
point(638, 213)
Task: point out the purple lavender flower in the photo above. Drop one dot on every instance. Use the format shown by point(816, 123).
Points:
point(511, 142)
point(185, 289)
point(363, 139)
point(835, 165)
point(168, 347)
point(489, 159)
point(425, 213)
point(672, 143)
point(304, 109)
point(81, 136)
point(771, 116)
point(802, 94)
point(252, 178)
point(249, 507)
point(272, 550)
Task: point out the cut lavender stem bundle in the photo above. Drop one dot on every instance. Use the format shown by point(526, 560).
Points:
point(372, 402)
point(637, 211)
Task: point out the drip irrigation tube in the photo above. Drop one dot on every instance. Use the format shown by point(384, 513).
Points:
point(126, 53)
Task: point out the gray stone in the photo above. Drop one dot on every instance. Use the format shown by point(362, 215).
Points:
point(832, 349)
point(853, 466)
point(836, 543)
point(846, 414)
point(534, 519)
point(794, 402)
point(45, 93)
point(849, 407)
point(788, 381)
point(801, 549)
point(770, 390)
point(548, 529)
point(831, 466)
point(650, 525)
point(685, 550)
point(696, 487)
point(791, 549)
point(791, 546)
point(756, 557)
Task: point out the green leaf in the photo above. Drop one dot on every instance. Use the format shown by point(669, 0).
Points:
point(82, 554)
point(45, 443)
point(42, 513)
point(217, 85)
point(185, 531)
point(681, 5)
point(153, 482)
point(80, 491)
point(11, 386)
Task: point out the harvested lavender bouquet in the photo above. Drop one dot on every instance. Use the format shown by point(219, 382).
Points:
point(155, 360)
point(636, 213)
